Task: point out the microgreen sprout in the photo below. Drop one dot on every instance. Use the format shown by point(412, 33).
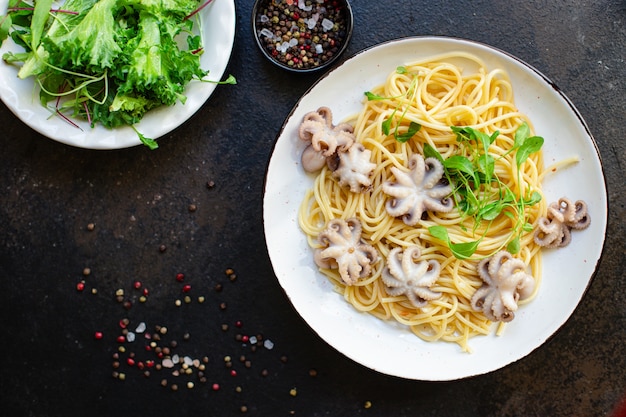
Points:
point(413, 127)
point(479, 192)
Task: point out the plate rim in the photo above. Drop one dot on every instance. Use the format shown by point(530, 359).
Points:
point(101, 138)
point(557, 91)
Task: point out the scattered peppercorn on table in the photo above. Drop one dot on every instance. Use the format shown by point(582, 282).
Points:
point(137, 282)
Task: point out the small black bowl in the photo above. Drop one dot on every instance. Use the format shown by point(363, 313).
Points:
point(302, 35)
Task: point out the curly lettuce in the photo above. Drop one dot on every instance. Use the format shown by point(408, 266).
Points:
point(106, 61)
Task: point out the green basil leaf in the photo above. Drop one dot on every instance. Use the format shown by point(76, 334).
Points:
point(431, 152)
point(535, 197)
point(439, 232)
point(386, 126)
point(514, 246)
point(484, 139)
point(530, 145)
point(463, 133)
point(413, 129)
point(491, 211)
point(464, 250)
point(486, 165)
point(521, 134)
point(494, 136)
point(401, 70)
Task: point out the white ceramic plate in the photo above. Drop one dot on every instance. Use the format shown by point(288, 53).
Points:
point(385, 346)
point(218, 31)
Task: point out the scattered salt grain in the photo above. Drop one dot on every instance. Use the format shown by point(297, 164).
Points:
point(268, 344)
point(264, 18)
point(319, 48)
point(253, 340)
point(167, 363)
point(175, 358)
point(187, 360)
point(141, 327)
point(130, 337)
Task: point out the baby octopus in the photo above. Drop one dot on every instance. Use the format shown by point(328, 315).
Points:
point(418, 190)
point(405, 275)
point(344, 250)
point(354, 168)
point(336, 147)
point(505, 282)
point(554, 231)
point(324, 138)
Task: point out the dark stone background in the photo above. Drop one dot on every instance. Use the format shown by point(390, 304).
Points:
point(138, 200)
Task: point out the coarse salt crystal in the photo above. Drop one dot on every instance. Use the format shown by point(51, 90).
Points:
point(313, 20)
point(283, 47)
point(167, 363)
point(303, 6)
point(141, 327)
point(175, 358)
point(267, 33)
point(293, 42)
point(187, 360)
point(130, 337)
point(319, 48)
point(264, 18)
point(268, 344)
point(327, 24)
point(253, 340)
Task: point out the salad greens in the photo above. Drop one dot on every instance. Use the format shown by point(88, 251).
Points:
point(106, 61)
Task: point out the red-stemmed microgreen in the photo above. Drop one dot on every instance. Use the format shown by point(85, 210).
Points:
point(190, 15)
point(110, 79)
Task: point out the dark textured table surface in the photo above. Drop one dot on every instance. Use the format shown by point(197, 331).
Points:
point(154, 217)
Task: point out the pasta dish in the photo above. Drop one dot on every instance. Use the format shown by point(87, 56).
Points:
point(446, 127)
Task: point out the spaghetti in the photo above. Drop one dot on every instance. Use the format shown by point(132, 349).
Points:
point(448, 90)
